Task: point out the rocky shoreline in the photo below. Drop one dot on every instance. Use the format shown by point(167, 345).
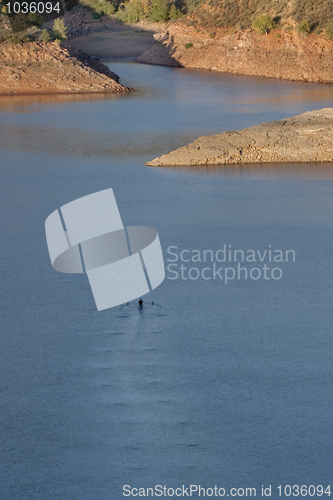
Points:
point(47, 68)
point(300, 139)
point(280, 54)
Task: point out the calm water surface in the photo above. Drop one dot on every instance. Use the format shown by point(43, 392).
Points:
point(218, 384)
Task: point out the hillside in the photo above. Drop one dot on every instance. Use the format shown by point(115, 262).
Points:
point(216, 35)
point(240, 14)
point(37, 67)
point(287, 55)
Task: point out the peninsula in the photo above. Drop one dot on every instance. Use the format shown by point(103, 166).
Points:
point(47, 68)
point(304, 138)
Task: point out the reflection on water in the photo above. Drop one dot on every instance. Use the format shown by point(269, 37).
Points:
point(311, 92)
point(26, 103)
point(76, 142)
point(311, 171)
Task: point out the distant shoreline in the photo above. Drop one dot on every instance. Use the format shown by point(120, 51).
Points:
point(281, 55)
point(285, 56)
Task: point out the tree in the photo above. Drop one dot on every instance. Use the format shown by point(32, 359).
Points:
point(174, 13)
point(263, 24)
point(19, 22)
point(59, 30)
point(159, 11)
point(44, 36)
point(303, 28)
point(133, 12)
point(108, 8)
point(100, 7)
point(35, 19)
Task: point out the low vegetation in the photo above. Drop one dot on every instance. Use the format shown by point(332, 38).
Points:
point(45, 36)
point(20, 28)
point(303, 16)
point(102, 7)
point(263, 24)
point(329, 30)
point(303, 28)
point(59, 30)
point(28, 28)
point(287, 15)
point(153, 11)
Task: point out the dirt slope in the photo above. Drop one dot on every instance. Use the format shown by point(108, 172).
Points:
point(277, 55)
point(36, 67)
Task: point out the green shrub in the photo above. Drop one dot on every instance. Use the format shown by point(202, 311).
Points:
point(329, 30)
point(191, 5)
point(108, 8)
point(35, 19)
point(19, 23)
point(174, 13)
point(21, 36)
point(101, 7)
point(159, 11)
point(132, 13)
point(263, 24)
point(59, 30)
point(188, 45)
point(212, 35)
point(45, 36)
point(303, 28)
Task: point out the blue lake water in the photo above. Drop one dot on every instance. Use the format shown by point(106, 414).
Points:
point(226, 384)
